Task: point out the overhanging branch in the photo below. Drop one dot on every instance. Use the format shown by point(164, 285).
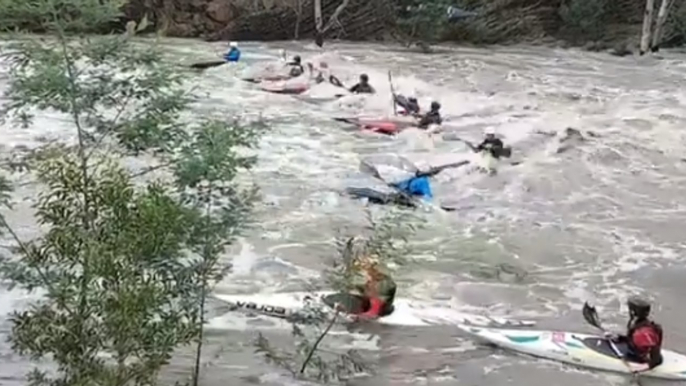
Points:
point(334, 18)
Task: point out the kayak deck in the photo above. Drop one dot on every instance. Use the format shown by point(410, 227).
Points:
point(583, 350)
point(406, 312)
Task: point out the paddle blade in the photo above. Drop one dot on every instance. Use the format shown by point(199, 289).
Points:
point(204, 65)
point(507, 152)
point(591, 316)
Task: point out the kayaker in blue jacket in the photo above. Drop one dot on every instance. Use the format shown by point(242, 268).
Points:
point(234, 53)
point(416, 187)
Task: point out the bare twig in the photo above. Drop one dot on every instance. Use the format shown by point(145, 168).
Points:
point(334, 18)
point(319, 340)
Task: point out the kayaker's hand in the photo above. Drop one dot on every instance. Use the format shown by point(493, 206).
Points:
point(610, 336)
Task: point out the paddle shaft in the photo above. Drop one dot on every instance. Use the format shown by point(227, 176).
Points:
point(390, 82)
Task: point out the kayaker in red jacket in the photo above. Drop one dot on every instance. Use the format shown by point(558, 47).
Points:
point(379, 289)
point(643, 337)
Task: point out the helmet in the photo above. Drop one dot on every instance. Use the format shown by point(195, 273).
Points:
point(233, 44)
point(296, 59)
point(638, 307)
point(364, 78)
point(435, 106)
point(489, 131)
point(412, 99)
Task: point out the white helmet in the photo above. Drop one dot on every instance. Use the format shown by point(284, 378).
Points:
point(233, 44)
point(489, 131)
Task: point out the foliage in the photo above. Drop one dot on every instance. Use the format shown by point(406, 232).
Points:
point(124, 267)
point(386, 238)
point(675, 29)
point(585, 18)
point(308, 361)
point(422, 21)
point(67, 15)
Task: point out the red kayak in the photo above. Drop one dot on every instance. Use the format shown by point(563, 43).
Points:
point(381, 126)
point(291, 89)
point(273, 78)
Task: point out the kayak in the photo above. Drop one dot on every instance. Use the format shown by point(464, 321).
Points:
point(282, 89)
point(384, 198)
point(582, 350)
point(273, 78)
point(406, 312)
point(317, 100)
point(382, 126)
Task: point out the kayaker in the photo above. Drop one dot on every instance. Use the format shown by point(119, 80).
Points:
point(409, 106)
point(363, 87)
point(296, 67)
point(643, 337)
point(234, 53)
point(379, 289)
point(491, 143)
point(416, 187)
point(433, 117)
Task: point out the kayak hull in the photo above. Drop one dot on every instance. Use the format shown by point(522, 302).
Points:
point(406, 312)
point(387, 127)
point(290, 90)
point(583, 350)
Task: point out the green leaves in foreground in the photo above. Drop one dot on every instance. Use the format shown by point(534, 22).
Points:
point(387, 239)
point(116, 279)
point(106, 85)
point(125, 267)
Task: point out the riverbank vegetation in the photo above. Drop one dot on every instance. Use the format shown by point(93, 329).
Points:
point(594, 24)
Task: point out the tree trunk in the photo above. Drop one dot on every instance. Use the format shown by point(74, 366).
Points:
point(318, 15)
point(647, 26)
point(299, 13)
point(660, 24)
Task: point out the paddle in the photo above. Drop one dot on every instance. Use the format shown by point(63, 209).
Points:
point(591, 316)
point(390, 82)
point(437, 169)
point(204, 65)
point(507, 151)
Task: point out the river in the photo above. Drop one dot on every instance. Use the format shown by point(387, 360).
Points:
point(597, 219)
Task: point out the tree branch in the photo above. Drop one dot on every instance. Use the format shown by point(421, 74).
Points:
point(319, 340)
point(334, 18)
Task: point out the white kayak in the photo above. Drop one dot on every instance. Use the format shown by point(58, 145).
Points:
point(405, 313)
point(583, 350)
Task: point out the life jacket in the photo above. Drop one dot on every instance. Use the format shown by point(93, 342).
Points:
point(416, 186)
point(233, 55)
point(644, 337)
point(382, 305)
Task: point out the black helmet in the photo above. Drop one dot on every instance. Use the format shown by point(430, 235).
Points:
point(412, 99)
point(435, 106)
point(296, 59)
point(638, 308)
point(364, 78)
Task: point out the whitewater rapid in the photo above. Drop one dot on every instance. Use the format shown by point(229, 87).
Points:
point(593, 219)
